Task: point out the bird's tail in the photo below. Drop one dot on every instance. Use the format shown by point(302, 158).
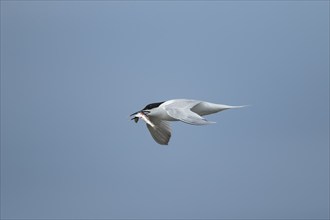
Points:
point(223, 107)
point(206, 108)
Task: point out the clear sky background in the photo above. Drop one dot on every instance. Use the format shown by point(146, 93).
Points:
point(72, 72)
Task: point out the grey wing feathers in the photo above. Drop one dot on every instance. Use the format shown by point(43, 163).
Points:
point(161, 132)
point(187, 116)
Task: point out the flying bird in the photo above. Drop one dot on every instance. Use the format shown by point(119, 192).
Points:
point(158, 115)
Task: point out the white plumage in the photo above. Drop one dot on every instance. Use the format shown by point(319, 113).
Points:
point(158, 115)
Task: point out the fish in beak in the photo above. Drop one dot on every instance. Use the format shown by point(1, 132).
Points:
point(143, 116)
point(135, 118)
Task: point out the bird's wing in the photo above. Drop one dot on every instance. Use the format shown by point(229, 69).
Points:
point(187, 116)
point(181, 110)
point(161, 132)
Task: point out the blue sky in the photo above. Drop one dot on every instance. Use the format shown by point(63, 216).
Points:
point(72, 72)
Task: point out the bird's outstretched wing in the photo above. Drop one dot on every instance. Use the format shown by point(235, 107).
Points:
point(161, 132)
point(181, 110)
point(187, 116)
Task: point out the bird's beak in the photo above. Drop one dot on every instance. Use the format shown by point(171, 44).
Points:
point(133, 114)
point(136, 119)
point(143, 116)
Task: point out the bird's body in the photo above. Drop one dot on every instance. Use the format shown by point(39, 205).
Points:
point(157, 115)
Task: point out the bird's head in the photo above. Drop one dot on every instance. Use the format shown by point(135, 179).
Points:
point(145, 111)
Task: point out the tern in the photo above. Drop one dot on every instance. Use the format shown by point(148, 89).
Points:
point(158, 115)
